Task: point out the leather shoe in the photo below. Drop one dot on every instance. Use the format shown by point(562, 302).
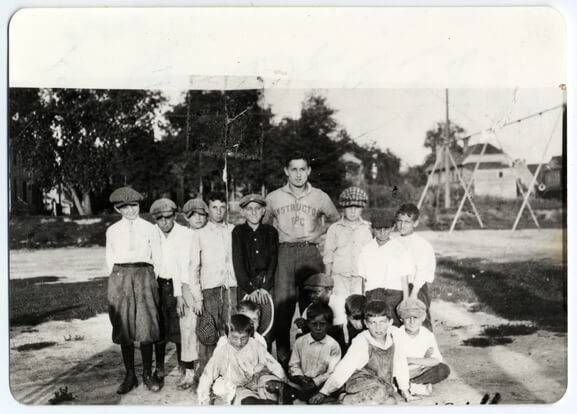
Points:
point(151, 383)
point(127, 385)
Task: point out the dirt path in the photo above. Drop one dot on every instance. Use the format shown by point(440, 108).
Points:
point(80, 355)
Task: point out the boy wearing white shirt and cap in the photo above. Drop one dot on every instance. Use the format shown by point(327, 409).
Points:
point(132, 259)
point(425, 362)
point(173, 271)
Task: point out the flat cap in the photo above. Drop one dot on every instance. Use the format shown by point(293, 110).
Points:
point(125, 195)
point(319, 279)
point(411, 307)
point(353, 197)
point(195, 205)
point(162, 205)
point(383, 219)
point(252, 198)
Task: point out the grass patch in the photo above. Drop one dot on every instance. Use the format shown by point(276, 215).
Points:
point(534, 291)
point(32, 302)
point(35, 346)
point(509, 330)
point(483, 341)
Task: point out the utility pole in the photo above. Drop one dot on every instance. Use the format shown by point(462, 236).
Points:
point(446, 149)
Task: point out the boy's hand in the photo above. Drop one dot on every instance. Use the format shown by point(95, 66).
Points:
point(300, 323)
point(429, 352)
point(181, 306)
point(318, 398)
point(197, 307)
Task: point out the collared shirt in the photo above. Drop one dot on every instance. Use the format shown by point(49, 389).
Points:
point(255, 256)
point(132, 241)
point(343, 245)
point(212, 264)
point(422, 256)
point(298, 218)
point(236, 366)
point(357, 357)
point(416, 346)
point(176, 248)
point(384, 266)
point(314, 359)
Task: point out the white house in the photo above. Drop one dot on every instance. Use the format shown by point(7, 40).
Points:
point(494, 176)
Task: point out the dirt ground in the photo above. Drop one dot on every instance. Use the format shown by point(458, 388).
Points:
point(80, 355)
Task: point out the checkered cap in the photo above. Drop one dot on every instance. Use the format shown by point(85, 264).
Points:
point(162, 205)
point(411, 307)
point(125, 195)
point(353, 197)
point(195, 204)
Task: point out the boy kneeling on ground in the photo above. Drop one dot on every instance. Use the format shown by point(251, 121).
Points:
point(369, 366)
point(240, 370)
point(423, 355)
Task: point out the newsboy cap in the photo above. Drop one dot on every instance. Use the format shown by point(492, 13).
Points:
point(195, 205)
point(383, 219)
point(250, 198)
point(162, 205)
point(353, 197)
point(319, 279)
point(125, 195)
point(411, 307)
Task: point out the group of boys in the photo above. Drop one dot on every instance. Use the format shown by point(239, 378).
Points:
point(169, 282)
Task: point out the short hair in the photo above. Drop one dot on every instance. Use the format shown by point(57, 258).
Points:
point(296, 155)
point(248, 305)
point(241, 324)
point(215, 196)
point(355, 305)
point(320, 309)
point(410, 210)
point(376, 308)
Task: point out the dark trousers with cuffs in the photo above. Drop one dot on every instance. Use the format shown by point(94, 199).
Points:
point(296, 261)
point(432, 375)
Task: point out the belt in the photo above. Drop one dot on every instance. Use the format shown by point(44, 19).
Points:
point(138, 264)
point(299, 244)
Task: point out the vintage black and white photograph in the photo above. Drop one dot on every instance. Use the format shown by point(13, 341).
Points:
point(315, 226)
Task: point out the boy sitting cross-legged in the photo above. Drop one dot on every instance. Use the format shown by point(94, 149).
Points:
point(240, 369)
point(369, 366)
point(315, 355)
point(423, 356)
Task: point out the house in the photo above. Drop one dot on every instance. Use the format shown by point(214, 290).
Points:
point(550, 177)
point(494, 176)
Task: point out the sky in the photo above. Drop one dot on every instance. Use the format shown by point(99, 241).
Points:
point(399, 118)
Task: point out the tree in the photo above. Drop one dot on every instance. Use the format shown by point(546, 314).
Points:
point(435, 137)
point(74, 136)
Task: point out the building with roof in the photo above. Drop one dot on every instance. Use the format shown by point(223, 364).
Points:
point(494, 177)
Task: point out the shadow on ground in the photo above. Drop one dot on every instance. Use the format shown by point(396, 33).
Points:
point(534, 291)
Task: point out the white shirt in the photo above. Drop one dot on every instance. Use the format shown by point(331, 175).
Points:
point(416, 346)
point(422, 258)
point(343, 244)
point(384, 266)
point(212, 261)
point(175, 260)
point(357, 357)
point(132, 241)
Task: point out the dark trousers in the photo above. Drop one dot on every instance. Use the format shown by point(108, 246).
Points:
point(433, 375)
point(391, 297)
point(296, 261)
point(424, 297)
